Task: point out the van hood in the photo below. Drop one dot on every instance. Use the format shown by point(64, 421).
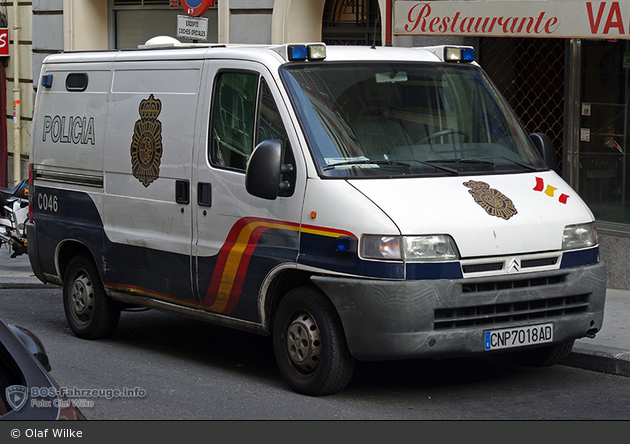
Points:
point(485, 215)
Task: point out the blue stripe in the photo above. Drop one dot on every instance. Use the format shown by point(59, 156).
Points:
point(433, 270)
point(321, 252)
point(580, 258)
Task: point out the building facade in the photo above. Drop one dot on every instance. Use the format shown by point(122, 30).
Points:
point(563, 68)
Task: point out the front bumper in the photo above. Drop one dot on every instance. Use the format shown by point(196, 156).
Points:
point(388, 320)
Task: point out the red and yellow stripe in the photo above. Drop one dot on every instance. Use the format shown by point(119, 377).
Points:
point(230, 270)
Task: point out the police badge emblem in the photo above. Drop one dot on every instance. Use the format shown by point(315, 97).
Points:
point(146, 143)
point(493, 201)
point(16, 396)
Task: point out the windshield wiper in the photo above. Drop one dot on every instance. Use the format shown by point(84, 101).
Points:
point(365, 162)
point(516, 162)
point(485, 160)
point(402, 162)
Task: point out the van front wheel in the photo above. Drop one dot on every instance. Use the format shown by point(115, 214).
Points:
point(91, 314)
point(545, 356)
point(310, 345)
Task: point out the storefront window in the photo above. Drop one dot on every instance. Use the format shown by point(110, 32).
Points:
point(530, 73)
point(351, 22)
point(603, 161)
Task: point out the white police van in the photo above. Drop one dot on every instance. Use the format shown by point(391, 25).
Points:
point(355, 203)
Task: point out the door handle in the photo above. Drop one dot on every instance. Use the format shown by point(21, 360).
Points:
point(182, 192)
point(204, 194)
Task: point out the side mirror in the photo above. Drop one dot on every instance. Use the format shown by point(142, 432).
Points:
point(33, 344)
point(264, 170)
point(545, 147)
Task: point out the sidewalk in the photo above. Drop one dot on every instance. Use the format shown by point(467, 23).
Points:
point(608, 352)
point(16, 272)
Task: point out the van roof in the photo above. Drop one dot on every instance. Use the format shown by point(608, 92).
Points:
point(272, 54)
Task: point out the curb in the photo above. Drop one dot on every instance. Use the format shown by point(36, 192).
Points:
point(21, 284)
point(599, 358)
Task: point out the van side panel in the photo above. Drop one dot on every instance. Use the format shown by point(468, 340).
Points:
point(68, 126)
point(68, 130)
point(239, 239)
point(147, 168)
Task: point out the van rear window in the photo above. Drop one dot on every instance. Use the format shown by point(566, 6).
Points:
point(77, 81)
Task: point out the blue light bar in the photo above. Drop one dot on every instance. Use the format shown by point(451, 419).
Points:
point(47, 80)
point(297, 52)
point(468, 54)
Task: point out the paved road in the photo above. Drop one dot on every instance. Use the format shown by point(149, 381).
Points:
point(193, 370)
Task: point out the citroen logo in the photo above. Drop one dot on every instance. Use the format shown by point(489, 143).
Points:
point(514, 266)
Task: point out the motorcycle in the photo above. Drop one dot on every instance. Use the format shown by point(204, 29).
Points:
point(13, 217)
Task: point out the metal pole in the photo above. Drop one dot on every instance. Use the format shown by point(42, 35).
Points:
point(16, 96)
point(571, 169)
point(625, 138)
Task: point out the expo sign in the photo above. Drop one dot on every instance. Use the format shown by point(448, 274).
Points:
point(4, 42)
point(195, 28)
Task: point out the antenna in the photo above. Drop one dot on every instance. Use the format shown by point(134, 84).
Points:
point(374, 38)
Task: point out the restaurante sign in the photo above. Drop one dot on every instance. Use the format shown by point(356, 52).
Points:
point(557, 18)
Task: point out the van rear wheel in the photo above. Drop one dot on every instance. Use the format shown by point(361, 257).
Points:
point(90, 313)
point(310, 345)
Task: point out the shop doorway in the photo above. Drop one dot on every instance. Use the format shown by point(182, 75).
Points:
point(603, 143)
point(351, 22)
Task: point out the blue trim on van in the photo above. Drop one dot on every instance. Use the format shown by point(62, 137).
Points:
point(321, 252)
point(580, 258)
point(433, 270)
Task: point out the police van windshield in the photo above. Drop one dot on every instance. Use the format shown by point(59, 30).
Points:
point(400, 119)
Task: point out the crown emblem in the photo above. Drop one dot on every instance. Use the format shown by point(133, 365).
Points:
point(150, 108)
point(146, 142)
point(493, 201)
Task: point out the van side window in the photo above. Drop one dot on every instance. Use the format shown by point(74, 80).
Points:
point(233, 119)
point(76, 81)
point(269, 122)
point(270, 126)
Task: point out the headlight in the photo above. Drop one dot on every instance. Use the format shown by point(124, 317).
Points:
point(440, 247)
point(381, 247)
point(579, 236)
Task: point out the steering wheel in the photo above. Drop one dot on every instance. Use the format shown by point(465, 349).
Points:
point(440, 134)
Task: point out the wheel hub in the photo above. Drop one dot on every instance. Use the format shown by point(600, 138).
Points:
point(82, 299)
point(303, 343)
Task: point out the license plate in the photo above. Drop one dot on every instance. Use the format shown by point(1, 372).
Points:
point(517, 336)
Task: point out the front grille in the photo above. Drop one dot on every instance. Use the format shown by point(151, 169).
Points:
point(498, 266)
point(462, 317)
point(546, 262)
point(475, 287)
point(481, 268)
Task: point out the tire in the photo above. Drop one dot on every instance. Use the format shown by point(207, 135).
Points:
point(90, 313)
point(309, 344)
point(545, 356)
